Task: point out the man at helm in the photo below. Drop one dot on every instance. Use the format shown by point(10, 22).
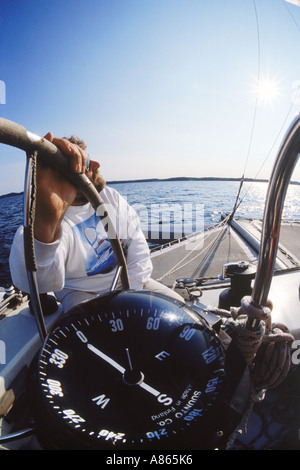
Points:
point(74, 255)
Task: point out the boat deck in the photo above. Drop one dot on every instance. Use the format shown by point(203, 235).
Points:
point(204, 255)
point(238, 242)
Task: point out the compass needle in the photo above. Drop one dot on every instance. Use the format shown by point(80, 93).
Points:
point(106, 358)
point(129, 359)
point(149, 389)
point(121, 369)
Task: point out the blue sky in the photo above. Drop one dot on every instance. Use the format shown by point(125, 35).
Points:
point(157, 88)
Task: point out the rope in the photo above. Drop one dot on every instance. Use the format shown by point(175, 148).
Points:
point(267, 351)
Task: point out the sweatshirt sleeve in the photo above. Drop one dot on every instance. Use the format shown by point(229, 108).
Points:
point(50, 264)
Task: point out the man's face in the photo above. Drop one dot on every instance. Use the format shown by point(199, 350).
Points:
point(95, 177)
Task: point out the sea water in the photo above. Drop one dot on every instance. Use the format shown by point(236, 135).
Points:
point(196, 203)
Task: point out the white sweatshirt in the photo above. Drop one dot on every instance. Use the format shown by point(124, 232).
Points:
point(81, 263)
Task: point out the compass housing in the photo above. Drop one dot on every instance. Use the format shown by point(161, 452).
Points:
point(136, 370)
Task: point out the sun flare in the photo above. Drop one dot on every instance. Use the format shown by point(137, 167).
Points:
point(267, 90)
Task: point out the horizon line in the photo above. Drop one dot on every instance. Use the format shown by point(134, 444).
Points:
point(174, 178)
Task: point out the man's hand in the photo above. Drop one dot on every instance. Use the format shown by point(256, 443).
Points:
point(77, 156)
point(55, 193)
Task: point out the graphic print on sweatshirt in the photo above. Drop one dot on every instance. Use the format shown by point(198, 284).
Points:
point(100, 258)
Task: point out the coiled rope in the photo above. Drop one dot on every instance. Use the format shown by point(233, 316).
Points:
point(267, 351)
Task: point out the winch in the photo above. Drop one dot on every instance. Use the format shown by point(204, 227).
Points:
point(241, 274)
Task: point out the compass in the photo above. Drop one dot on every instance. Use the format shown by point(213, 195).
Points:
point(129, 370)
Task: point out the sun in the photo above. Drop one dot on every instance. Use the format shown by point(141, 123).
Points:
point(267, 90)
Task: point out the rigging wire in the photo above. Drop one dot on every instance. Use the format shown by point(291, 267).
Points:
point(258, 79)
point(268, 154)
point(255, 112)
point(238, 199)
point(238, 202)
point(290, 13)
point(184, 261)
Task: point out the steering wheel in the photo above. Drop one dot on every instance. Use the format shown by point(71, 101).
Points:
point(131, 370)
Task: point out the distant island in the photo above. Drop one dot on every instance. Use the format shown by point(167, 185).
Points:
point(191, 178)
point(194, 178)
point(10, 195)
point(176, 178)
